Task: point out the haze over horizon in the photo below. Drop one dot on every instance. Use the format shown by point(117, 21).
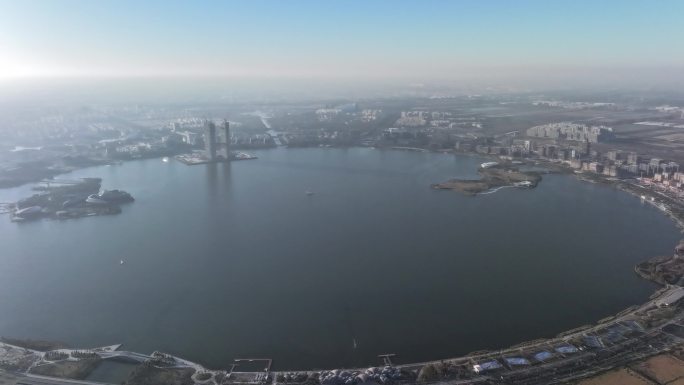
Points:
point(543, 43)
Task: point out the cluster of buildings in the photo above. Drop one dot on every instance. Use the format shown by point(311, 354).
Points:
point(509, 145)
point(178, 138)
point(579, 155)
point(412, 119)
point(571, 105)
point(328, 114)
point(217, 145)
point(133, 150)
point(369, 115)
point(654, 171)
point(572, 131)
point(436, 119)
point(191, 134)
point(662, 174)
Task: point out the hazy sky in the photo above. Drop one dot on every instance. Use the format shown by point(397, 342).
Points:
point(345, 38)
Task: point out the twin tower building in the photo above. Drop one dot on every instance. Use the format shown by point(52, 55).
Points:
point(217, 146)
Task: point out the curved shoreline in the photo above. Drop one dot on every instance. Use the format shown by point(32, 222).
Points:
point(567, 339)
point(493, 177)
point(485, 355)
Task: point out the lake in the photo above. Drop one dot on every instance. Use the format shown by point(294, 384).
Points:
point(235, 260)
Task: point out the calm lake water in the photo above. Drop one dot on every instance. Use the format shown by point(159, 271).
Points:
point(235, 260)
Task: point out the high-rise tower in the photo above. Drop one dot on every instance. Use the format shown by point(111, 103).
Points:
point(210, 139)
point(226, 132)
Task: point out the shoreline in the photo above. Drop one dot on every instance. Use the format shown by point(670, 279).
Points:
point(655, 201)
point(188, 159)
point(542, 343)
point(493, 177)
point(170, 362)
point(679, 221)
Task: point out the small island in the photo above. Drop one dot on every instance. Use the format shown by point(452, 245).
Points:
point(493, 175)
point(69, 199)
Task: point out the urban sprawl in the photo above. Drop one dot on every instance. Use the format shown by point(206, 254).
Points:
point(636, 146)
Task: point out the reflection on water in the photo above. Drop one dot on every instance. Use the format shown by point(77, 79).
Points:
point(218, 176)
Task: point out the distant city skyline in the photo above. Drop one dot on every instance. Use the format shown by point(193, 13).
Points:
point(408, 40)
